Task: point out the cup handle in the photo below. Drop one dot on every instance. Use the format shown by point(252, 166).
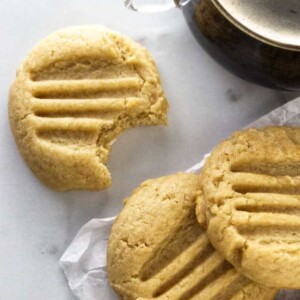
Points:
point(151, 5)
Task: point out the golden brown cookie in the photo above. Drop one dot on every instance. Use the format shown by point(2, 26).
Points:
point(251, 184)
point(74, 93)
point(158, 250)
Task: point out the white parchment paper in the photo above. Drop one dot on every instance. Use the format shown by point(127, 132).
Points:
point(84, 262)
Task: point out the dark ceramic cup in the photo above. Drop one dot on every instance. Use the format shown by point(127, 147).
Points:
point(257, 40)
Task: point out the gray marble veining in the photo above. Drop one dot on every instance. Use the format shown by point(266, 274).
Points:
point(206, 105)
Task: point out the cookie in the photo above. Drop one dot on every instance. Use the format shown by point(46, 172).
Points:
point(76, 91)
point(158, 250)
point(251, 184)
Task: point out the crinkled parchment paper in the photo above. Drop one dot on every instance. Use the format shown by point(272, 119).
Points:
point(84, 262)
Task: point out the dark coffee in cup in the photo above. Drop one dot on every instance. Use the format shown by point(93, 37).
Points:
point(246, 56)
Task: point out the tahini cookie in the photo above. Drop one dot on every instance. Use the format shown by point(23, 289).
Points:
point(158, 250)
point(74, 93)
point(251, 184)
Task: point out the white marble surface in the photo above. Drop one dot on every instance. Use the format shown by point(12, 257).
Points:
point(207, 104)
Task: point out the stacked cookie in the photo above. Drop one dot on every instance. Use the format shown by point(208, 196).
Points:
point(231, 233)
point(251, 185)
